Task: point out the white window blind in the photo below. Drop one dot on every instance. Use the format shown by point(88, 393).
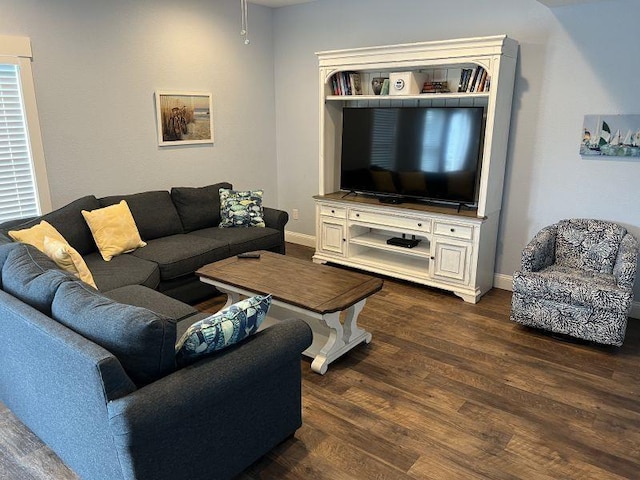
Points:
point(18, 198)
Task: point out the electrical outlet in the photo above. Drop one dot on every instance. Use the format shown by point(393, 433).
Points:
point(296, 214)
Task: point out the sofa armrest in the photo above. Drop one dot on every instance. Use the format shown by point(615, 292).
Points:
point(229, 409)
point(541, 250)
point(274, 218)
point(624, 269)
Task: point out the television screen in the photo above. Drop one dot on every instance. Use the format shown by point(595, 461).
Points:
point(428, 153)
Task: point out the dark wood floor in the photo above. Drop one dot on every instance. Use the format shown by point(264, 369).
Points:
point(446, 390)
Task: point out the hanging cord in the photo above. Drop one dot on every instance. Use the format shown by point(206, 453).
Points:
point(244, 8)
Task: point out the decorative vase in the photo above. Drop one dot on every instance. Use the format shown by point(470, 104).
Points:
point(376, 85)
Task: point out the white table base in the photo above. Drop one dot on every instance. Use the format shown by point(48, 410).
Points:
point(331, 337)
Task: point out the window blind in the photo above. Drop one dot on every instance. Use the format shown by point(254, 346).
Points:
point(17, 182)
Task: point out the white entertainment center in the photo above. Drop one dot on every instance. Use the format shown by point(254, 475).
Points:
point(456, 249)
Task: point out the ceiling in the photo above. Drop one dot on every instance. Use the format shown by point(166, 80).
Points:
point(278, 3)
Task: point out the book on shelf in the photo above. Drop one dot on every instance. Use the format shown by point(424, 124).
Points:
point(356, 85)
point(482, 82)
point(441, 86)
point(385, 87)
point(346, 83)
point(465, 77)
point(474, 80)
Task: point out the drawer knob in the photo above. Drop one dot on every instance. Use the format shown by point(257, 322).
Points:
point(333, 211)
point(357, 214)
point(419, 224)
point(453, 229)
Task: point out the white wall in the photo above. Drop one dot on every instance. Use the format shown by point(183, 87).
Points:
point(96, 67)
point(574, 60)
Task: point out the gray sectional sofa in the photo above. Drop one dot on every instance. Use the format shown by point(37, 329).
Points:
point(182, 234)
point(93, 373)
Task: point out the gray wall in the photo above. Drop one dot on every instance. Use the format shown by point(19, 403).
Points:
point(96, 67)
point(574, 60)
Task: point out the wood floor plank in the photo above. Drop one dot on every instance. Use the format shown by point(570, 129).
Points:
point(446, 390)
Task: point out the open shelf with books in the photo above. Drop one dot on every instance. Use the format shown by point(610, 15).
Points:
point(458, 79)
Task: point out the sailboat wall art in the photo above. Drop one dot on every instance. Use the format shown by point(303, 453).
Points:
point(611, 136)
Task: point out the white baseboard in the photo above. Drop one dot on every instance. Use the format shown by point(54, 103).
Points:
point(505, 282)
point(502, 281)
point(300, 239)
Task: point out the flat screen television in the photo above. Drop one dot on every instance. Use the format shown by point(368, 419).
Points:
point(424, 153)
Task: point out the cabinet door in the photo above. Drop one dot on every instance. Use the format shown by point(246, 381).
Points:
point(451, 260)
point(332, 236)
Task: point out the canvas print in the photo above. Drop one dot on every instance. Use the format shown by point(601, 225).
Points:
point(611, 135)
point(184, 118)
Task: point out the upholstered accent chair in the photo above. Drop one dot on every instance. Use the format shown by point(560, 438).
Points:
point(577, 279)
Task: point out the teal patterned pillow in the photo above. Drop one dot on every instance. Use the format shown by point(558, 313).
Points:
point(225, 328)
point(241, 209)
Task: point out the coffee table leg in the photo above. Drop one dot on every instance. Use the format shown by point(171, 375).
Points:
point(334, 342)
point(232, 297)
point(351, 329)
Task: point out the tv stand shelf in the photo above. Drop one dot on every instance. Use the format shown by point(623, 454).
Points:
point(379, 241)
point(457, 247)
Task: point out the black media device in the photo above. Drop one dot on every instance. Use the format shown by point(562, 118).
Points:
point(415, 153)
point(248, 255)
point(403, 241)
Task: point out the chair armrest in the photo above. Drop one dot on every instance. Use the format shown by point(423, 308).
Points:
point(541, 250)
point(274, 218)
point(624, 270)
point(246, 395)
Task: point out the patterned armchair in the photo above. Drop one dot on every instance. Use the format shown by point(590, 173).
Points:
point(577, 279)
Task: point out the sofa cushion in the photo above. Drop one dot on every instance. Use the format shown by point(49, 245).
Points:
point(114, 230)
point(67, 258)
point(5, 250)
point(35, 235)
point(179, 255)
point(153, 300)
point(154, 213)
point(31, 276)
point(198, 207)
point(70, 223)
point(573, 287)
point(244, 239)
point(241, 208)
point(223, 329)
point(143, 341)
point(587, 244)
point(122, 270)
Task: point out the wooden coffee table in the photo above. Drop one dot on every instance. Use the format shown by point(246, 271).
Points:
point(318, 294)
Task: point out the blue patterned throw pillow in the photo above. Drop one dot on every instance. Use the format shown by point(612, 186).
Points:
point(241, 208)
point(225, 328)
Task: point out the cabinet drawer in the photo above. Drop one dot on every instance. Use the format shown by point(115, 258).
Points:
point(333, 211)
point(454, 230)
point(384, 219)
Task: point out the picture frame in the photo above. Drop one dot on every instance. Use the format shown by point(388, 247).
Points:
point(184, 118)
point(611, 136)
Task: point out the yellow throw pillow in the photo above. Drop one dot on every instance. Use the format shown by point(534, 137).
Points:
point(67, 258)
point(114, 230)
point(35, 235)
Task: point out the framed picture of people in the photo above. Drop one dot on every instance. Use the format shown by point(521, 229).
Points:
point(184, 118)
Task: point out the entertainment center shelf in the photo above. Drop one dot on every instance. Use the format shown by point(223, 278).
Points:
point(456, 249)
point(397, 98)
